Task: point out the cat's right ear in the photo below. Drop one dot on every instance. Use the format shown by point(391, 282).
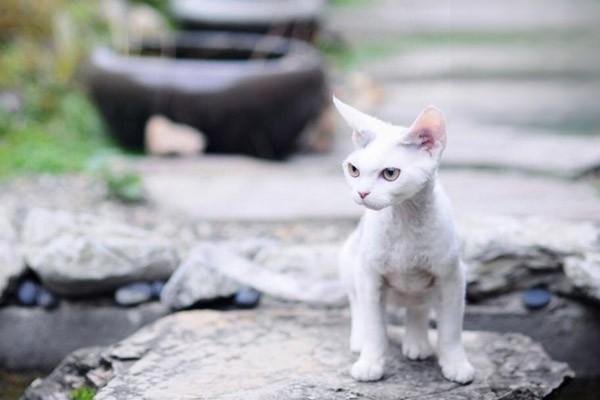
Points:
point(364, 126)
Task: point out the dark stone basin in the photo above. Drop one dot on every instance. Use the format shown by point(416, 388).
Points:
point(298, 19)
point(249, 94)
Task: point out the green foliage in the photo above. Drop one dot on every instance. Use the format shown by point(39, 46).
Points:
point(55, 129)
point(56, 132)
point(83, 393)
point(161, 5)
point(122, 182)
point(126, 187)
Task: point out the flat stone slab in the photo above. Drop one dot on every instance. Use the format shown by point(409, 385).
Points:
point(492, 60)
point(380, 18)
point(289, 354)
point(236, 188)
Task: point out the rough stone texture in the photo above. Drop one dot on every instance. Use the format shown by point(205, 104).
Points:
point(583, 272)
point(11, 260)
point(504, 254)
point(567, 329)
point(79, 254)
point(283, 354)
point(196, 280)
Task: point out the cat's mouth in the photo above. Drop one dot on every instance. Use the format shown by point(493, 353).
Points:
point(370, 204)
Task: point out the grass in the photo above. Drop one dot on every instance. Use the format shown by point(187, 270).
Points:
point(54, 128)
point(56, 141)
point(83, 393)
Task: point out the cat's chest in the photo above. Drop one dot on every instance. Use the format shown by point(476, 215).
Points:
point(404, 261)
point(400, 251)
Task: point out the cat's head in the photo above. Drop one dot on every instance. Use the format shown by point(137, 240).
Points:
point(391, 163)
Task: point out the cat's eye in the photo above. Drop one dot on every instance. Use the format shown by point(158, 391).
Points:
point(390, 174)
point(353, 171)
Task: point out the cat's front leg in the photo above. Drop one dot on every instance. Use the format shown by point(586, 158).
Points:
point(450, 309)
point(371, 363)
point(415, 345)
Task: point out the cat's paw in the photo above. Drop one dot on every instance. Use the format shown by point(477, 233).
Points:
point(417, 348)
point(367, 370)
point(458, 370)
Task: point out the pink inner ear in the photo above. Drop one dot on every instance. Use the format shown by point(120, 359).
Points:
point(429, 128)
point(427, 140)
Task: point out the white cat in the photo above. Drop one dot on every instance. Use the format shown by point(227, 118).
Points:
point(406, 245)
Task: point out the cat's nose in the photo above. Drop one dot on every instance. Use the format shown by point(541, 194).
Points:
point(363, 194)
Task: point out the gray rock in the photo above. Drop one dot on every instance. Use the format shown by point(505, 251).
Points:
point(583, 272)
point(196, 279)
point(12, 265)
point(209, 354)
point(505, 254)
point(133, 294)
point(80, 254)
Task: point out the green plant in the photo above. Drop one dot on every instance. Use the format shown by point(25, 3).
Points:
point(126, 187)
point(55, 128)
point(122, 182)
point(83, 393)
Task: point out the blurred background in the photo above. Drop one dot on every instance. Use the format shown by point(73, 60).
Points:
point(217, 114)
point(86, 83)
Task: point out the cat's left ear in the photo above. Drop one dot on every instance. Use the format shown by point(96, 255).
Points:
point(428, 132)
point(364, 126)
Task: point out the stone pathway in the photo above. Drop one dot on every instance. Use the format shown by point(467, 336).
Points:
point(377, 18)
point(237, 188)
point(205, 354)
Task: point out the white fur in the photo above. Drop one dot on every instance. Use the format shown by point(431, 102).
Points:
point(406, 245)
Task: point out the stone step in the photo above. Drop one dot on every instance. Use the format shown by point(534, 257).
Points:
point(288, 354)
point(514, 60)
point(380, 18)
point(237, 188)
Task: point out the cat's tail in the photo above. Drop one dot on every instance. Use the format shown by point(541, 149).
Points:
point(277, 284)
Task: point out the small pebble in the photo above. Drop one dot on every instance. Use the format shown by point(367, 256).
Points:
point(246, 298)
point(536, 298)
point(157, 288)
point(133, 294)
point(27, 293)
point(46, 299)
